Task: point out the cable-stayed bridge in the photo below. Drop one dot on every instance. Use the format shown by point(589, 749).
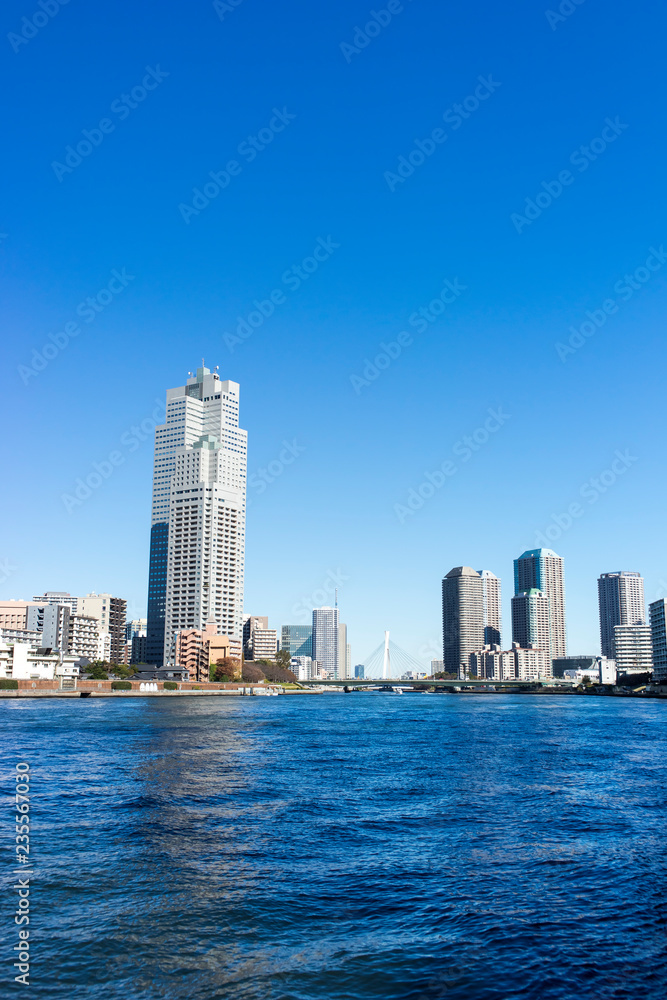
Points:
point(390, 662)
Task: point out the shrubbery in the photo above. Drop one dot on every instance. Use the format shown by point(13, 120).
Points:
point(7, 684)
point(170, 686)
point(121, 686)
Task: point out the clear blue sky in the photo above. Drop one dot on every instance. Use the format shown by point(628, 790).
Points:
point(552, 88)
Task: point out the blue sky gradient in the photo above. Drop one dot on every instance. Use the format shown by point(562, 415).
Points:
point(341, 506)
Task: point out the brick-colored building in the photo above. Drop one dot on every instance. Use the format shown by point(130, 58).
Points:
point(198, 651)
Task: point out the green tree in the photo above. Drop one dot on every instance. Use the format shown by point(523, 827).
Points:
point(283, 659)
point(96, 671)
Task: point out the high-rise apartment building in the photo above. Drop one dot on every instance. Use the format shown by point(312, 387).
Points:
point(531, 621)
point(198, 651)
point(462, 618)
point(250, 623)
point(343, 650)
point(111, 613)
point(542, 569)
point(658, 618)
point(58, 597)
point(84, 637)
point(325, 640)
point(14, 614)
point(198, 514)
point(512, 664)
point(52, 620)
point(264, 644)
point(621, 600)
point(633, 649)
point(297, 640)
point(492, 607)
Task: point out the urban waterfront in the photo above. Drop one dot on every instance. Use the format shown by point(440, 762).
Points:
point(345, 847)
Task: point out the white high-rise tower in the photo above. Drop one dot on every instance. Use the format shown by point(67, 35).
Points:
point(621, 599)
point(199, 500)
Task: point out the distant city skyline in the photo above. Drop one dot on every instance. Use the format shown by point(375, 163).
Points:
point(307, 269)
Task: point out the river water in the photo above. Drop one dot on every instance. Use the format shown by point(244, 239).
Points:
point(343, 846)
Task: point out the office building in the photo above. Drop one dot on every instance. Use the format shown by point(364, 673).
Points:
point(437, 667)
point(657, 619)
point(542, 569)
point(198, 514)
point(135, 627)
point(302, 667)
point(492, 607)
point(52, 620)
point(359, 671)
point(531, 621)
point(600, 669)
point(462, 618)
point(633, 649)
point(621, 601)
point(58, 597)
point(111, 613)
point(297, 640)
point(325, 640)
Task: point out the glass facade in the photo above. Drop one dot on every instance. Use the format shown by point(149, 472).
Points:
point(157, 594)
point(297, 640)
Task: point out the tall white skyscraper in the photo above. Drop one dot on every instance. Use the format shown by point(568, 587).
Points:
point(199, 499)
point(621, 600)
point(325, 639)
point(491, 599)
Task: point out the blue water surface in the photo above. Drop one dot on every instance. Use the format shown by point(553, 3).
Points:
point(343, 846)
